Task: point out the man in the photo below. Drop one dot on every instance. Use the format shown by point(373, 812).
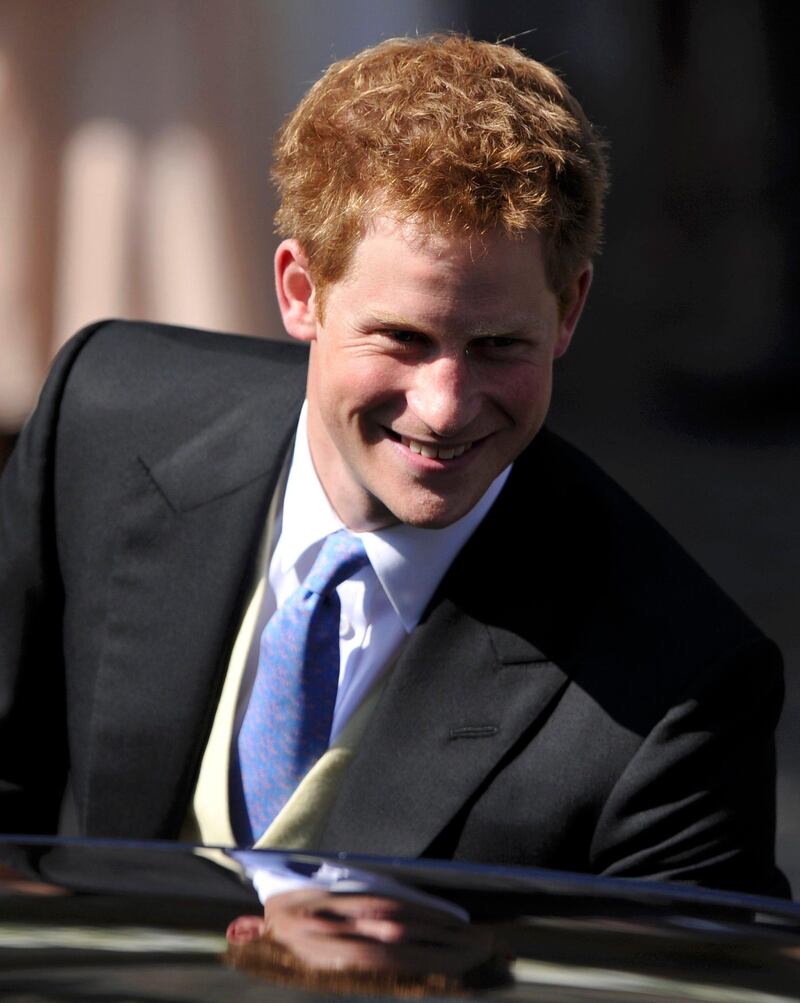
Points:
point(529, 669)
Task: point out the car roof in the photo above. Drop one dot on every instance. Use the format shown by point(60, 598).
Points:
point(106, 920)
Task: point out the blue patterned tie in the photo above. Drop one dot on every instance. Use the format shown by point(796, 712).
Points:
point(287, 724)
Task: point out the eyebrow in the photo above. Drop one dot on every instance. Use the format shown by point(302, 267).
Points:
point(388, 320)
point(397, 323)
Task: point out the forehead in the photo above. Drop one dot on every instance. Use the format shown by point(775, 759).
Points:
point(468, 278)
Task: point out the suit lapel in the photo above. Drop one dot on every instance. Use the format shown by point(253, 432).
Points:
point(199, 510)
point(459, 699)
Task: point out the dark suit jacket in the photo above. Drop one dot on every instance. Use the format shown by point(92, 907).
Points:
point(578, 695)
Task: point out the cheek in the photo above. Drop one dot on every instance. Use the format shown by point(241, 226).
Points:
point(525, 395)
point(363, 389)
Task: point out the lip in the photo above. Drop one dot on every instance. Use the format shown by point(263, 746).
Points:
point(435, 451)
point(447, 455)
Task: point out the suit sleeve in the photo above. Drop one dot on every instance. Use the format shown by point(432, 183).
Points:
point(697, 801)
point(33, 750)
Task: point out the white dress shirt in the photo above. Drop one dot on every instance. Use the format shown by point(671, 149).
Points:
point(275, 873)
point(383, 602)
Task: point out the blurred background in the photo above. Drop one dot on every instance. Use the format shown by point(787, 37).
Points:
point(135, 142)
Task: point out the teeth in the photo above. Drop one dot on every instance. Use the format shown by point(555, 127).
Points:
point(433, 452)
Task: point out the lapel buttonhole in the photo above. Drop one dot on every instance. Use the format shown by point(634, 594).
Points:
point(474, 731)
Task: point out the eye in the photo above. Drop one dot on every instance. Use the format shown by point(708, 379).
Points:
point(494, 347)
point(401, 340)
point(497, 341)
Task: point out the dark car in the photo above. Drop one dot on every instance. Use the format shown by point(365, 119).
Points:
point(164, 923)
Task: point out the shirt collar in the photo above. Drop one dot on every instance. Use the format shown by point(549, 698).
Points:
point(409, 562)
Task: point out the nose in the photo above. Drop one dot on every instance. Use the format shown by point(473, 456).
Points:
point(445, 395)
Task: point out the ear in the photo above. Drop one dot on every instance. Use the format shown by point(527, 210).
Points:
point(571, 307)
point(245, 929)
point(295, 290)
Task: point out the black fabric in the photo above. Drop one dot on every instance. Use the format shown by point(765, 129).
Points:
point(615, 715)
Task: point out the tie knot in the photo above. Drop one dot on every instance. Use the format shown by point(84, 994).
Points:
point(341, 556)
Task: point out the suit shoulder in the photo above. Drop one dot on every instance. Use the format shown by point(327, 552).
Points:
point(111, 345)
point(639, 556)
point(647, 564)
point(138, 366)
point(140, 389)
point(617, 589)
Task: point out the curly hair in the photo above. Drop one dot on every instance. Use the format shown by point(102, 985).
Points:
point(456, 135)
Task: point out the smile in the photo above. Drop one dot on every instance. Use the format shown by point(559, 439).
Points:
point(433, 452)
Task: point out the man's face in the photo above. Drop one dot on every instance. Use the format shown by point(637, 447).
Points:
point(431, 371)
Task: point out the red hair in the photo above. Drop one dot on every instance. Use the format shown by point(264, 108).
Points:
point(457, 135)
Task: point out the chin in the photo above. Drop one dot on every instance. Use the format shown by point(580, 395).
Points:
point(434, 515)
